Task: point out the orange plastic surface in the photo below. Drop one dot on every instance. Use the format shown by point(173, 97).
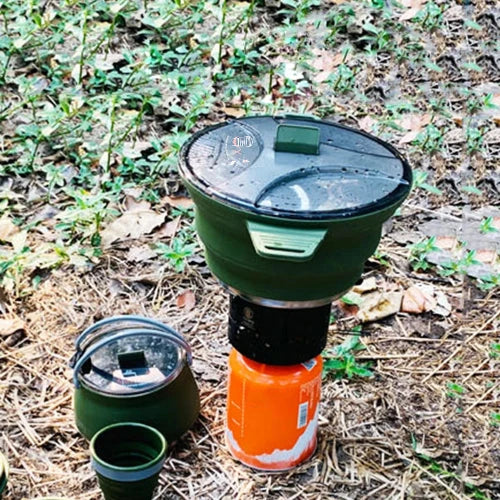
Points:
point(272, 412)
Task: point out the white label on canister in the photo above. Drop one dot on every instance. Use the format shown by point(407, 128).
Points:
point(309, 365)
point(302, 418)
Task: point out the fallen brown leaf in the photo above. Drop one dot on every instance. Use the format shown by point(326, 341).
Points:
point(486, 255)
point(325, 62)
point(11, 325)
point(186, 300)
point(234, 112)
point(140, 253)
point(179, 202)
point(414, 6)
point(366, 123)
point(417, 300)
point(367, 285)
point(378, 305)
point(137, 221)
point(414, 123)
point(169, 229)
point(425, 298)
point(7, 228)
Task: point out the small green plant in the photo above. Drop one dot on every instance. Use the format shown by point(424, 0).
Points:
point(341, 362)
point(495, 350)
point(487, 226)
point(459, 266)
point(419, 251)
point(436, 468)
point(419, 181)
point(454, 390)
point(489, 282)
point(495, 418)
point(177, 253)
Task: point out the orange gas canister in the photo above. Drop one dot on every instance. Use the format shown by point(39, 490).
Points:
point(272, 412)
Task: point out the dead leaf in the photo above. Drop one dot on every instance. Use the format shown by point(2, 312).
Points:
point(140, 253)
point(366, 123)
point(367, 285)
point(417, 300)
point(414, 123)
point(234, 112)
point(326, 62)
point(425, 298)
point(378, 305)
point(135, 192)
point(442, 307)
point(179, 202)
point(186, 300)
point(414, 6)
point(135, 149)
point(11, 325)
point(169, 229)
point(137, 221)
point(7, 228)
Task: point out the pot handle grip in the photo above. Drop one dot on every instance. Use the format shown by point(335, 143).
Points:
point(85, 355)
point(117, 319)
point(302, 139)
point(285, 243)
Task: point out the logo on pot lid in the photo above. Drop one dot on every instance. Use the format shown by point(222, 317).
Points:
point(295, 167)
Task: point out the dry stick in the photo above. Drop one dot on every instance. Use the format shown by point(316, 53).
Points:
point(440, 372)
point(492, 388)
point(440, 215)
point(457, 350)
point(477, 369)
point(389, 356)
point(414, 339)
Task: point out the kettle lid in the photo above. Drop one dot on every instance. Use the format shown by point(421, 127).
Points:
point(127, 357)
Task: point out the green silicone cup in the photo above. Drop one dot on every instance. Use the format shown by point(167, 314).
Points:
point(127, 458)
point(4, 473)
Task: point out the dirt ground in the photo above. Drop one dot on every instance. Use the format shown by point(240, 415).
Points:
point(371, 431)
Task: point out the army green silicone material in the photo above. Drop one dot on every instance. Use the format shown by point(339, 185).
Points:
point(297, 139)
point(127, 458)
point(4, 473)
point(171, 409)
point(335, 266)
point(284, 243)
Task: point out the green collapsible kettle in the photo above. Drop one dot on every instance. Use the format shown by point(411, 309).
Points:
point(134, 369)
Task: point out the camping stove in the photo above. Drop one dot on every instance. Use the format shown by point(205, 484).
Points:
point(289, 209)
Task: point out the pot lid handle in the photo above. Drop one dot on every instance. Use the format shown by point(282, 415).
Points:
point(80, 341)
point(297, 139)
point(86, 354)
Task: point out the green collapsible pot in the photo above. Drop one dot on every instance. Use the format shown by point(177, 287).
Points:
point(289, 208)
point(128, 458)
point(4, 473)
point(134, 369)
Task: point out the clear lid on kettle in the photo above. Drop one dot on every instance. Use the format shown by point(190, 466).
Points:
point(295, 167)
point(128, 357)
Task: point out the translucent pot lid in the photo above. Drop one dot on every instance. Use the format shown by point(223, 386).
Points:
point(132, 365)
point(295, 167)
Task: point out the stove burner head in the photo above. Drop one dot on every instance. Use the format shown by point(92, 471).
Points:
point(277, 336)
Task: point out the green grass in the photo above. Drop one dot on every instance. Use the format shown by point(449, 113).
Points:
point(98, 97)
